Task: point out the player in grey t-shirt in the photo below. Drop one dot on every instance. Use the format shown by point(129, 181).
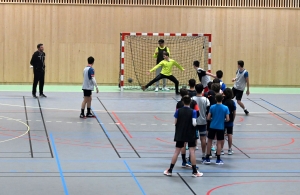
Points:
point(241, 81)
point(203, 103)
point(89, 82)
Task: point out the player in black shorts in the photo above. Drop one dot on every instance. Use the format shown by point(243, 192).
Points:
point(185, 121)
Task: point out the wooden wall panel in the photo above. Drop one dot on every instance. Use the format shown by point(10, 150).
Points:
point(266, 39)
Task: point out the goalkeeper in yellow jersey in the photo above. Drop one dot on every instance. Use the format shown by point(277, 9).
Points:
point(158, 54)
point(166, 72)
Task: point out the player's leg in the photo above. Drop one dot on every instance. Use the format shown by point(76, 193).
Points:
point(41, 84)
point(183, 156)
point(179, 145)
point(157, 78)
point(175, 81)
point(84, 102)
point(35, 82)
point(210, 136)
point(157, 82)
point(238, 94)
point(89, 105)
point(229, 134)
point(193, 159)
point(202, 134)
point(220, 139)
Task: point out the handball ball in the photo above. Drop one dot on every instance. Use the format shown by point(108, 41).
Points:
point(130, 80)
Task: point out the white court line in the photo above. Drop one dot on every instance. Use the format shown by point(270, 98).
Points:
point(258, 124)
point(69, 122)
point(79, 122)
point(269, 124)
point(130, 111)
point(248, 124)
point(164, 124)
point(143, 124)
point(279, 124)
point(237, 124)
point(58, 121)
point(48, 121)
point(38, 120)
point(153, 124)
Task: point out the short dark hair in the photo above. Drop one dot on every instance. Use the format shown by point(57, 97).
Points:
point(228, 93)
point(183, 92)
point(192, 82)
point(219, 97)
point(39, 45)
point(161, 41)
point(186, 100)
point(219, 74)
point(209, 84)
point(216, 87)
point(196, 63)
point(166, 53)
point(90, 60)
point(199, 88)
point(216, 81)
point(241, 63)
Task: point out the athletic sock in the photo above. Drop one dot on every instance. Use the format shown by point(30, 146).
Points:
point(245, 108)
point(82, 111)
point(203, 155)
point(171, 168)
point(88, 110)
point(218, 157)
point(183, 158)
point(194, 168)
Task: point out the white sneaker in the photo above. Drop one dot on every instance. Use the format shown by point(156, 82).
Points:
point(230, 152)
point(197, 148)
point(165, 89)
point(222, 152)
point(156, 89)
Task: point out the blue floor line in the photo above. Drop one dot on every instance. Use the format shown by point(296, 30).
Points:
point(58, 165)
point(101, 124)
point(137, 182)
point(281, 109)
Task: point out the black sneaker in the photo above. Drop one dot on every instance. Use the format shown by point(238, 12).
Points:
point(246, 112)
point(34, 96)
point(90, 115)
point(82, 115)
point(43, 95)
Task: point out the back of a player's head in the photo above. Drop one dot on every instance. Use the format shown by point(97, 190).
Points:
point(199, 88)
point(192, 82)
point(209, 84)
point(183, 92)
point(90, 60)
point(161, 41)
point(228, 93)
point(216, 81)
point(216, 87)
point(219, 97)
point(219, 74)
point(186, 100)
point(240, 63)
point(196, 63)
point(166, 53)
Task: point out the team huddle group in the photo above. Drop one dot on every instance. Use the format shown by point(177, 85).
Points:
point(206, 111)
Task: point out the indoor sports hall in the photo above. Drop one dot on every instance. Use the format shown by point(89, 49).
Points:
point(56, 54)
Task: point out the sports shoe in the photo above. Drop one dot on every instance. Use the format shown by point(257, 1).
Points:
point(189, 164)
point(186, 147)
point(198, 174)
point(43, 95)
point(156, 89)
point(185, 165)
point(82, 115)
point(230, 152)
point(219, 162)
point(246, 111)
point(90, 115)
point(202, 160)
point(206, 162)
point(165, 89)
point(34, 96)
point(167, 173)
point(213, 148)
point(143, 88)
point(222, 152)
point(197, 148)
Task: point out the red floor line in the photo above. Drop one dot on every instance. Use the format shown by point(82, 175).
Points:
point(241, 119)
point(161, 119)
point(122, 125)
point(287, 122)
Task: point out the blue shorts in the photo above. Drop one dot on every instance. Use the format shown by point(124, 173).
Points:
point(201, 129)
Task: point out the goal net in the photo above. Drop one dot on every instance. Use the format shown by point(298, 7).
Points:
point(137, 51)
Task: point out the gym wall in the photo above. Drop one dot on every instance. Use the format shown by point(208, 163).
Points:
point(267, 39)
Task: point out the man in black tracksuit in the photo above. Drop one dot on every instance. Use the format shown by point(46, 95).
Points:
point(38, 63)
